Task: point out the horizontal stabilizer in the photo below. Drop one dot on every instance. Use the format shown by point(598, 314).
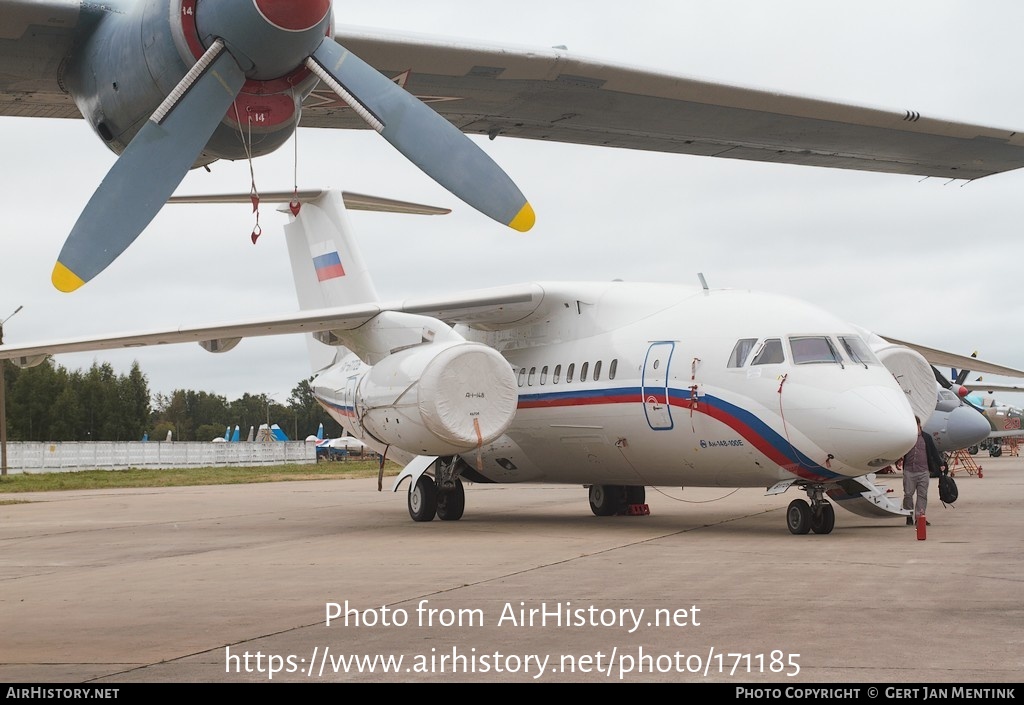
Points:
point(353, 201)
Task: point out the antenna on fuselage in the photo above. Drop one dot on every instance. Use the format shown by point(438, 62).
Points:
point(703, 282)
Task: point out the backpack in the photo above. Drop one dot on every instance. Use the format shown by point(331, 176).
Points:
point(947, 489)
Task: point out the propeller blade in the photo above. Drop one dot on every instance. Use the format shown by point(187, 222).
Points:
point(425, 138)
point(149, 169)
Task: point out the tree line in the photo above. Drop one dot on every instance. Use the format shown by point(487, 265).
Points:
point(51, 403)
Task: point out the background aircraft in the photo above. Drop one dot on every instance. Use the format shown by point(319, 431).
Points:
point(955, 424)
point(611, 385)
point(1005, 420)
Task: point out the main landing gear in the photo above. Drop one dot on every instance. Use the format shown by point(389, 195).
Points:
point(445, 498)
point(611, 500)
point(819, 516)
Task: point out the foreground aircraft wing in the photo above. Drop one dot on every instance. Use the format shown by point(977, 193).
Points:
point(554, 95)
point(35, 39)
point(494, 307)
point(942, 358)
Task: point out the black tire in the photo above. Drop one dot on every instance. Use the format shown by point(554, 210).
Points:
point(995, 451)
point(973, 450)
point(607, 500)
point(423, 499)
point(451, 503)
point(823, 520)
point(636, 494)
point(798, 517)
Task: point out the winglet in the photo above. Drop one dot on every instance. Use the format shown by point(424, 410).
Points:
point(64, 279)
point(525, 219)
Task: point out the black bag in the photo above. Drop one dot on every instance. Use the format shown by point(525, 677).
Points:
point(947, 489)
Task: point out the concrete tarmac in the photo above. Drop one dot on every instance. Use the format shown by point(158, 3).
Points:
point(235, 583)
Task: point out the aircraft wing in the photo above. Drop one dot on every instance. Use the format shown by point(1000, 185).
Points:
point(942, 358)
point(554, 95)
point(35, 37)
point(986, 387)
point(491, 307)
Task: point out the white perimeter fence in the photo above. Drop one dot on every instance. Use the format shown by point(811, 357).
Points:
point(155, 455)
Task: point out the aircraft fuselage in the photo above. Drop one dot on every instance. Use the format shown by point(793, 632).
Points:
point(632, 384)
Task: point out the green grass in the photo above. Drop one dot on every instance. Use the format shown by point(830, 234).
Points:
point(109, 479)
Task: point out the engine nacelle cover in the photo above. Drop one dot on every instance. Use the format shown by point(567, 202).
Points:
point(438, 399)
point(913, 374)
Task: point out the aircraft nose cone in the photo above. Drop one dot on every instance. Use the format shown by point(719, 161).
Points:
point(966, 427)
point(873, 428)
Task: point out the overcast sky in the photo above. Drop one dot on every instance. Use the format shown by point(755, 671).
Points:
point(926, 261)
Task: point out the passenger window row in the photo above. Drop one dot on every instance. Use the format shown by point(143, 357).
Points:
point(531, 377)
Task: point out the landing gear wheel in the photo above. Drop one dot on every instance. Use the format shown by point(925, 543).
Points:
point(607, 500)
point(451, 503)
point(636, 494)
point(995, 451)
point(823, 520)
point(798, 517)
point(423, 499)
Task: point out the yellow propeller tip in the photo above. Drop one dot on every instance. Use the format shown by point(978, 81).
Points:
point(64, 279)
point(524, 220)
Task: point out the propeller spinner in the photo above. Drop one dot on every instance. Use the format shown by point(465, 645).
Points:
point(263, 40)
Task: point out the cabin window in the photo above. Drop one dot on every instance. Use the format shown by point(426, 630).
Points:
point(597, 370)
point(529, 379)
point(809, 350)
point(741, 351)
point(568, 372)
point(544, 375)
point(522, 376)
point(857, 350)
point(557, 374)
point(583, 371)
point(612, 367)
point(770, 353)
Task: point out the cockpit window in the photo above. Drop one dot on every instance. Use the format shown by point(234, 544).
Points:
point(741, 351)
point(770, 353)
point(858, 350)
point(813, 349)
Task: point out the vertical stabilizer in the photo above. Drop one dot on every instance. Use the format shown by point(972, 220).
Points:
point(326, 263)
point(327, 266)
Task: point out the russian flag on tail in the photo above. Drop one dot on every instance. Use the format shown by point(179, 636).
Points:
point(326, 261)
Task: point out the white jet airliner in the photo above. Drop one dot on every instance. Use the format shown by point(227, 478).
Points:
point(614, 386)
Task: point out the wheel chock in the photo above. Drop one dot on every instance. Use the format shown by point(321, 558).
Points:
point(638, 510)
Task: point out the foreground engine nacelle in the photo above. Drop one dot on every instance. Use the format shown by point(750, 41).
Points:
point(136, 55)
point(438, 399)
